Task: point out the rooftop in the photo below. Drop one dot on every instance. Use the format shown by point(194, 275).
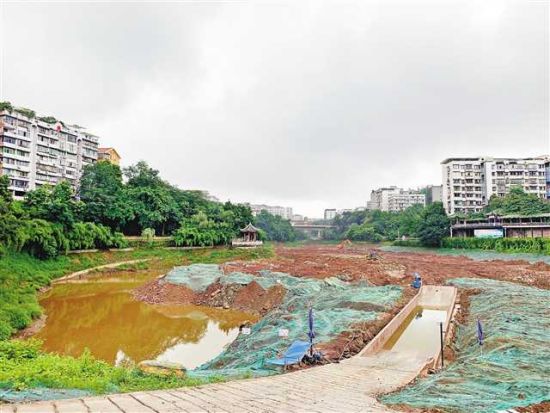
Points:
point(250, 228)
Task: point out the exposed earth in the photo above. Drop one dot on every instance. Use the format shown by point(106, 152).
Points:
point(364, 262)
point(349, 263)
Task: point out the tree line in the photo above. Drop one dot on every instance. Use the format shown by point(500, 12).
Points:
point(429, 224)
point(111, 202)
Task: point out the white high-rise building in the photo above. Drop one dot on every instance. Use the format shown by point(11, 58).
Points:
point(394, 199)
point(37, 151)
point(469, 183)
point(330, 214)
point(283, 212)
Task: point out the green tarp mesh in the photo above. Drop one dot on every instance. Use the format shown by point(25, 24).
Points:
point(196, 276)
point(37, 394)
point(514, 368)
point(336, 304)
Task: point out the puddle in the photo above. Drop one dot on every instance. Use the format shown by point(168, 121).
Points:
point(419, 333)
point(100, 314)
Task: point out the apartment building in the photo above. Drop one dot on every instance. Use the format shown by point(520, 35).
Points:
point(330, 214)
point(394, 199)
point(469, 183)
point(37, 151)
point(434, 194)
point(109, 154)
point(283, 212)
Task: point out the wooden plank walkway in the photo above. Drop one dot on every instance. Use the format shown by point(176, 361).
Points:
point(350, 386)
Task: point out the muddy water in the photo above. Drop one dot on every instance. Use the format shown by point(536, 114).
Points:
point(419, 332)
point(100, 314)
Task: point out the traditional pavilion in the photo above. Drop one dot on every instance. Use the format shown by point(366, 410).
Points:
point(249, 237)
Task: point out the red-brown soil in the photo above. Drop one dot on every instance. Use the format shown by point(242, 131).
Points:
point(251, 298)
point(356, 263)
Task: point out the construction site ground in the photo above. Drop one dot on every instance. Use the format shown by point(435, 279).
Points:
point(367, 262)
point(349, 262)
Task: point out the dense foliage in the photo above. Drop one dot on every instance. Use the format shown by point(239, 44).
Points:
point(48, 222)
point(433, 226)
point(516, 202)
point(146, 201)
point(276, 228)
point(530, 245)
point(430, 224)
point(51, 220)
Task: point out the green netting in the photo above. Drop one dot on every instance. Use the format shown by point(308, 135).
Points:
point(512, 371)
point(476, 255)
point(196, 276)
point(37, 394)
point(337, 305)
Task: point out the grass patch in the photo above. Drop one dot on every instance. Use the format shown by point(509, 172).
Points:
point(23, 365)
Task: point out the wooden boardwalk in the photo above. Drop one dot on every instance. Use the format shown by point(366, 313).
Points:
point(350, 386)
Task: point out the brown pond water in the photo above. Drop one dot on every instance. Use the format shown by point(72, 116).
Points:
point(100, 314)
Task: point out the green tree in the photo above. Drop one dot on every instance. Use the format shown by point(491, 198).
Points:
point(55, 204)
point(151, 200)
point(103, 195)
point(9, 223)
point(518, 202)
point(275, 227)
point(364, 232)
point(434, 225)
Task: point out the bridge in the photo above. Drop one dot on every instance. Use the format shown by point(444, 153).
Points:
point(314, 231)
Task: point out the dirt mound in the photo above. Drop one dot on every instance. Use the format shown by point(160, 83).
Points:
point(219, 295)
point(253, 298)
point(158, 292)
point(250, 298)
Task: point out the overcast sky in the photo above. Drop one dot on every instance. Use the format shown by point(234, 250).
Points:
point(303, 104)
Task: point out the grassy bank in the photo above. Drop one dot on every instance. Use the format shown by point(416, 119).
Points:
point(24, 365)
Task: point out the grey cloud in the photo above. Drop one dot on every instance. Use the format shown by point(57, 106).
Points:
point(304, 103)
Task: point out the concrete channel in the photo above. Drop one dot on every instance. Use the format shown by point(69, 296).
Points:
point(395, 357)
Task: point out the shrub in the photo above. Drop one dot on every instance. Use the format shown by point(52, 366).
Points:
point(529, 245)
point(6, 330)
point(148, 236)
point(43, 239)
point(363, 233)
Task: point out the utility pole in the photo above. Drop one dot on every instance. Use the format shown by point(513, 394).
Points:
point(442, 344)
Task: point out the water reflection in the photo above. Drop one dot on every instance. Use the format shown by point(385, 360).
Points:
point(419, 332)
point(102, 315)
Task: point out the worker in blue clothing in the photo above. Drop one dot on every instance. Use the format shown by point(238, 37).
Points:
point(417, 282)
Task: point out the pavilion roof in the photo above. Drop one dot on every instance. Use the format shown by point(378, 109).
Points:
point(250, 228)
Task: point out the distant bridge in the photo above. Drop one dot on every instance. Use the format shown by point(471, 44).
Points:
point(314, 231)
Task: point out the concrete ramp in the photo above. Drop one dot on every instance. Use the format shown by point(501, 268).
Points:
point(411, 342)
